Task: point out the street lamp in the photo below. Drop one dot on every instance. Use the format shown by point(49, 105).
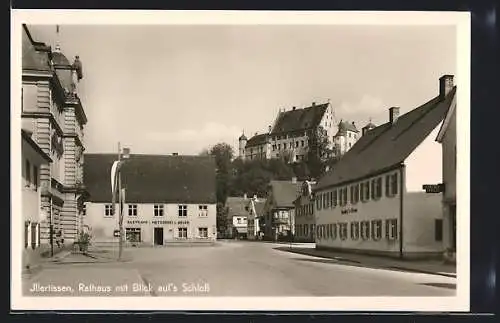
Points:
point(116, 186)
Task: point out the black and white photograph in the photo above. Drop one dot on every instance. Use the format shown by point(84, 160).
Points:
point(240, 160)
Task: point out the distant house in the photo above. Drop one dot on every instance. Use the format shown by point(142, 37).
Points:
point(305, 224)
point(279, 209)
point(255, 218)
point(374, 200)
point(447, 136)
point(345, 138)
point(32, 157)
point(237, 214)
point(168, 198)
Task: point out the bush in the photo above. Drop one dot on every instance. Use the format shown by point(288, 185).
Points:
point(84, 241)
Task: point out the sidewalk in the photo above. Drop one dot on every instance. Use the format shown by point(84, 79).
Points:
point(434, 267)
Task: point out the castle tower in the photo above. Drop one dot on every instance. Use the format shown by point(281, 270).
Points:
point(242, 144)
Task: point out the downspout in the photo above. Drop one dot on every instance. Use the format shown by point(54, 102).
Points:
point(402, 190)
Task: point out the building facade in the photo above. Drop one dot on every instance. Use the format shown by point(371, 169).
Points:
point(255, 218)
point(167, 199)
point(53, 113)
point(279, 209)
point(32, 158)
point(305, 223)
point(447, 136)
point(373, 201)
point(288, 137)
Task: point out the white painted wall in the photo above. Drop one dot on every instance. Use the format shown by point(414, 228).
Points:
point(423, 166)
point(420, 212)
point(382, 209)
point(103, 226)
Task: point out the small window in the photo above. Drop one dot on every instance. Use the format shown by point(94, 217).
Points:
point(158, 210)
point(318, 201)
point(182, 211)
point(355, 230)
point(391, 229)
point(84, 210)
point(365, 194)
point(302, 143)
point(108, 210)
point(182, 233)
point(343, 231)
point(334, 231)
point(376, 229)
point(438, 227)
point(203, 232)
point(132, 209)
point(365, 230)
point(203, 210)
point(335, 198)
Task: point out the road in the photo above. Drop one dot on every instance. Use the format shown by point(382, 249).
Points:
point(232, 268)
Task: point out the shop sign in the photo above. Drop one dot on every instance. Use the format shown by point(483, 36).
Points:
point(434, 188)
point(349, 211)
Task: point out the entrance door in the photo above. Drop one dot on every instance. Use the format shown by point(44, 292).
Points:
point(158, 236)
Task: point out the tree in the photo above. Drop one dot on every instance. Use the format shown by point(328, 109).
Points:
point(223, 154)
point(318, 152)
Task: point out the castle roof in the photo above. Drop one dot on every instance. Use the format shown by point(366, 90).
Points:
point(299, 119)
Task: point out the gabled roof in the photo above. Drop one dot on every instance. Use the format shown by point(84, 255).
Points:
point(236, 206)
point(257, 140)
point(153, 178)
point(446, 122)
point(299, 119)
point(388, 145)
point(347, 126)
point(284, 193)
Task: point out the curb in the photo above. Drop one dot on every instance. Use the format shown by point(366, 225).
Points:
point(368, 265)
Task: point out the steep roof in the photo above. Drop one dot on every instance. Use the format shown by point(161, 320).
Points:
point(284, 192)
point(388, 145)
point(35, 55)
point(153, 178)
point(236, 206)
point(299, 119)
point(257, 140)
point(347, 126)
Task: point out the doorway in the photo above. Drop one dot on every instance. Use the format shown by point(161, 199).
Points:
point(158, 236)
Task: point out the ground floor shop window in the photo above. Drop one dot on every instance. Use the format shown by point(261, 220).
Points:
point(133, 234)
point(182, 232)
point(203, 232)
point(376, 229)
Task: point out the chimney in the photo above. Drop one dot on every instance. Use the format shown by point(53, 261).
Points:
point(393, 114)
point(256, 134)
point(445, 86)
point(314, 104)
point(293, 109)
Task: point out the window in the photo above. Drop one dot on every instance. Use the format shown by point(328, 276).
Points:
point(182, 210)
point(203, 232)
point(306, 230)
point(335, 198)
point(108, 210)
point(318, 201)
point(33, 235)
point(84, 210)
point(365, 230)
point(334, 231)
point(343, 231)
point(302, 143)
point(313, 230)
point(284, 145)
point(26, 233)
point(132, 210)
point(344, 196)
point(354, 194)
point(158, 210)
point(28, 173)
point(365, 191)
point(391, 229)
point(133, 234)
point(325, 200)
point(354, 230)
point(239, 220)
point(296, 144)
point(182, 232)
point(376, 189)
point(203, 210)
point(376, 229)
point(279, 146)
point(394, 184)
point(35, 177)
point(438, 227)
point(349, 135)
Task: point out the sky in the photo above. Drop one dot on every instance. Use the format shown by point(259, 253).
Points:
point(165, 89)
